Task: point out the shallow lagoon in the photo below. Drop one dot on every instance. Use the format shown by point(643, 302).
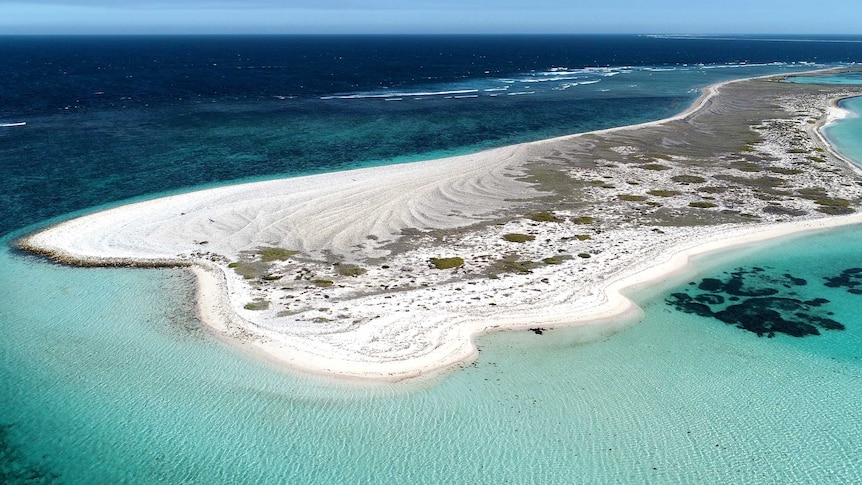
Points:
point(131, 390)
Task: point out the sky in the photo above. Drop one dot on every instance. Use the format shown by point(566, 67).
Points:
point(430, 16)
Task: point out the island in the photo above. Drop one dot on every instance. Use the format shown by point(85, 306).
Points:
point(389, 273)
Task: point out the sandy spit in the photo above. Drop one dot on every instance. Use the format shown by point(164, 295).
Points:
point(429, 324)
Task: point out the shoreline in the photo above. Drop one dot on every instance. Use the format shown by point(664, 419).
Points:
point(472, 192)
point(835, 113)
point(616, 305)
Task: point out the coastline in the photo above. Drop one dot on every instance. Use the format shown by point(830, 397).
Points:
point(835, 113)
point(614, 305)
point(474, 188)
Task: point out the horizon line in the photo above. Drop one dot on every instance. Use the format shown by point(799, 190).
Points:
point(426, 34)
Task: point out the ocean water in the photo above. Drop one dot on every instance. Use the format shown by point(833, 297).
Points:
point(108, 377)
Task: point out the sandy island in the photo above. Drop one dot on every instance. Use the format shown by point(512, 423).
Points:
point(389, 272)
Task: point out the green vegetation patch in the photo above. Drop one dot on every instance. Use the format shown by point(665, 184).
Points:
point(268, 255)
point(518, 238)
point(257, 305)
point(664, 193)
point(785, 171)
point(512, 266)
point(746, 166)
point(248, 271)
point(583, 237)
point(584, 255)
point(447, 263)
point(351, 270)
point(655, 166)
point(834, 207)
point(583, 220)
point(713, 189)
point(272, 277)
point(510, 263)
point(688, 179)
point(829, 202)
point(545, 216)
point(558, 259)
point(702, 205)
point(632, 198)
point(812, 193)
point(765, 182)
point(322, 283)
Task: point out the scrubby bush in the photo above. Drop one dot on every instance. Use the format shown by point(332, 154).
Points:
point(268, 255)
point(702, 205)
point(558, 259)
point(544, 217)
point(688, 179)
point(351, 270)
point(257, 305)
point(655, 166)
point(518, 238)
point(447, 263)
point(664, 193)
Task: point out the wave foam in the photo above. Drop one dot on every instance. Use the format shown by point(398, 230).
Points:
point(400, 95)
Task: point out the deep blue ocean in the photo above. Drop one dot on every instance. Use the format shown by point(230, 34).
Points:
point(109, 118)
point(108, 378)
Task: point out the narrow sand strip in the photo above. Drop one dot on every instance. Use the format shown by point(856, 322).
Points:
point(422, 320)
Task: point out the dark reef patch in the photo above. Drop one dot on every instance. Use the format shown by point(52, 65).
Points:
point(850, 278)
point(759, 301)
point(14, 466)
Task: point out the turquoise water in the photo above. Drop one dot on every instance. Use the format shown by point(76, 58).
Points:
point(850, 79)
point(846, 134)
point(101, 388)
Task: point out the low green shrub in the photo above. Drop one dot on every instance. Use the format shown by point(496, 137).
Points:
point(702, 205)
point(664, 193)
point(447, 263)
point(351, 270)
point(558, 259)
point(544, 217)
point(655, 166)
point(257, 305)
point(518, 238)
point(688, 179)
point(268, 255)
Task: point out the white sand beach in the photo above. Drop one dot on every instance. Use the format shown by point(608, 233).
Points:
point(401, 317)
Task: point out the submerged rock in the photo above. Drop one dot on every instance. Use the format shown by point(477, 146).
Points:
point(752, 300)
